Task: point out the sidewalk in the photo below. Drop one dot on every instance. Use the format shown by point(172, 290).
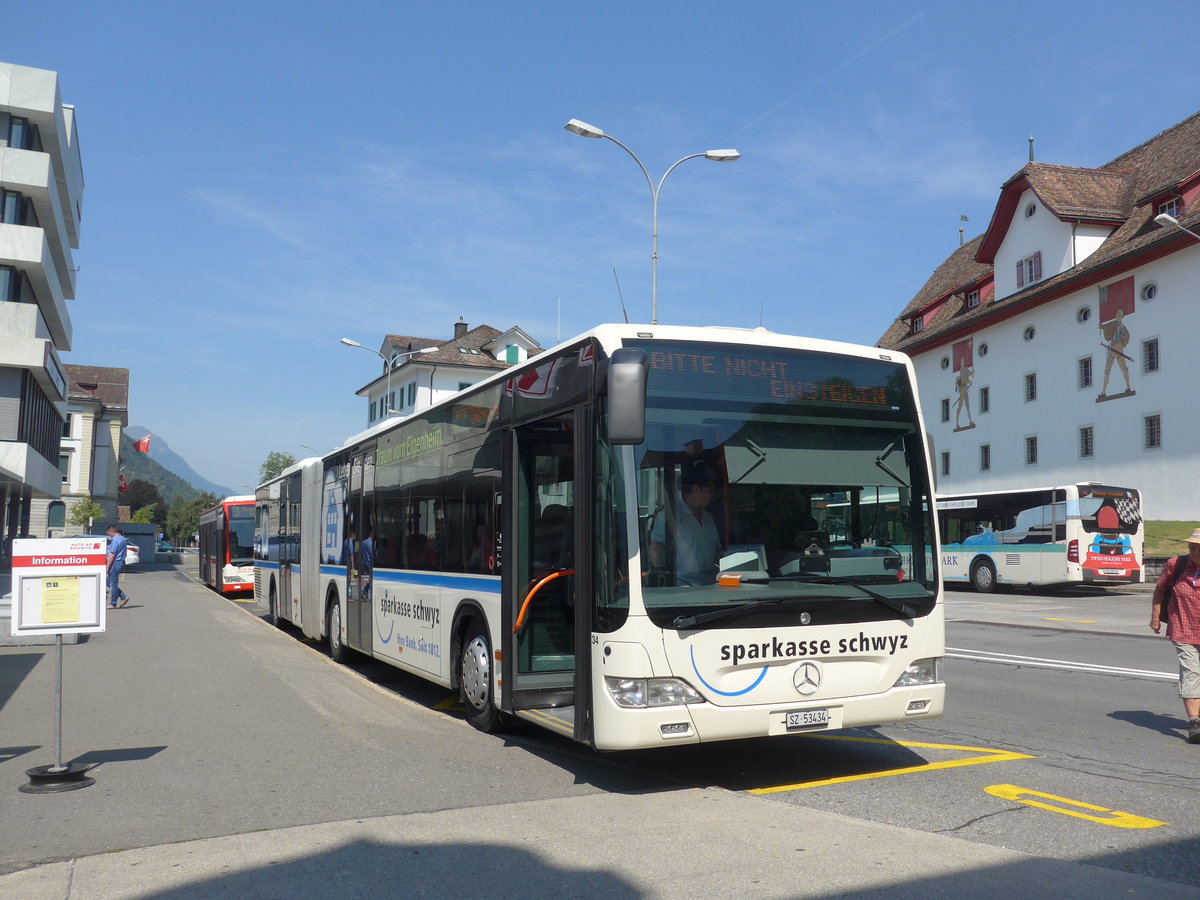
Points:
point(233, 761)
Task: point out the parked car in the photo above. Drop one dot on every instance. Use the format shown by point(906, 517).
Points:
point(163, 547)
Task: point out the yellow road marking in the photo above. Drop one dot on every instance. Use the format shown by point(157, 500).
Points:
point(1079, 621)
point(1113, 817)
point(451, 703)
point(986, 756)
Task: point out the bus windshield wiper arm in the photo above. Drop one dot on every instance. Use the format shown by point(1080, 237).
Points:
point(879, 461)
point(682, 622)
point(897, 606)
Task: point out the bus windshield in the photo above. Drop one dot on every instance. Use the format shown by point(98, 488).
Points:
point(788, 485)
point(241, 535)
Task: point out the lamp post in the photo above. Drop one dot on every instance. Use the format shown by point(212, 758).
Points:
point(1169, 220)
point(583, 129)
point(387, 396)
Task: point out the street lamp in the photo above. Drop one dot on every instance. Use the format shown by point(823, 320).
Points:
point(583, 129)
point(1167, 219)
point(387, 396)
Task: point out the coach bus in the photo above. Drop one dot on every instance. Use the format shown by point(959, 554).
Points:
point(1087, 533)
point(227, 545)
point(528, 542)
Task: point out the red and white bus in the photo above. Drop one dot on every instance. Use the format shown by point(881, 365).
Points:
point(227, 545)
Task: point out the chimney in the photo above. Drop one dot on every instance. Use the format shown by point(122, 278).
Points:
point(460, 328)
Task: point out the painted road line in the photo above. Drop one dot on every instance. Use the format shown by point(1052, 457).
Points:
point(1064, 665)
point(983, 755)
point(1111, 817)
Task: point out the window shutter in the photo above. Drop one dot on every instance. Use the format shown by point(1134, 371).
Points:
point(1037, 266)
point(1020, 273)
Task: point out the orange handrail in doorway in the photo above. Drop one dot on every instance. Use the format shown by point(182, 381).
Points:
point(533, 590)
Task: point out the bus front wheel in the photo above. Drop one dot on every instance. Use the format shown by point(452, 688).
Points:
point(475, 678)
point(337, 649)
point(983, 577)
point(273, 607)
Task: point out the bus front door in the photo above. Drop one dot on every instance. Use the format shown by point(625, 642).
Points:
point(540, 575)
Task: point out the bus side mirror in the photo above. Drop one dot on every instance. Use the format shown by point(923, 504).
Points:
point(628, 369)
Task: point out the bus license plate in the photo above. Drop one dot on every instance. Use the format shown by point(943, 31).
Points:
point(807, 718)
point(1112, 571)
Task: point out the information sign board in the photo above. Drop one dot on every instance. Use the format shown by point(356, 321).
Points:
point(58, 585)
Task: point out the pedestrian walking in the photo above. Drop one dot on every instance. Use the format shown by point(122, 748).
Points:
point(117, 545)
point(1177, 599)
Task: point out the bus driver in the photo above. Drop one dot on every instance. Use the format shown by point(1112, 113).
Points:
point(697, 542)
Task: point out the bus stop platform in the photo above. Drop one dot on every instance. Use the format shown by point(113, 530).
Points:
point(233, 761)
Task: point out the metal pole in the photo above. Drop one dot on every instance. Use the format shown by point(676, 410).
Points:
point(58, 694)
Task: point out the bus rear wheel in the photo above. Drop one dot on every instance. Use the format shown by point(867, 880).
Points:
point(983, 577)
point(475, 678)
point(333, 622)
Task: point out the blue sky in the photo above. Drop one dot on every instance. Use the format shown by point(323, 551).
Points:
point(266, 177)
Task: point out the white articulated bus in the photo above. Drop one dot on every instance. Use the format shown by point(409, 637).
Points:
point(539, 542)
point(1070, 534)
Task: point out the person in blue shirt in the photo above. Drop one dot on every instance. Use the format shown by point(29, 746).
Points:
point(117, 545)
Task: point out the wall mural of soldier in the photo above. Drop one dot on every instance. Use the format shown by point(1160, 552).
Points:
point(1116, 304)
point(964, 375)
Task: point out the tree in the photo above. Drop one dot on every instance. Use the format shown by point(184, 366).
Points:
point(145, 515)
point(142, 494)
point(276, 462)
point(86, 513)
point(183, 519)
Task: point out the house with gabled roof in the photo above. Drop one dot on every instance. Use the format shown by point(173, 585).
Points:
point(1054, 347)
point(419, 372)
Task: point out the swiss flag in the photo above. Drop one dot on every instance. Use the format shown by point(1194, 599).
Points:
point(142, 446)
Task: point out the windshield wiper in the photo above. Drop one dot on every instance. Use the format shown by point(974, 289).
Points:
point(879, 461)
point(897, 606)
point(682, 622)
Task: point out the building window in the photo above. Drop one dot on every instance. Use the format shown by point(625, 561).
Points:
point(945, 362)
point(66, 432)
point(1171, 208)
point(1031, 387)
point(57, 515)
point(918, 325)
point(1030, 333)
point(945, 463)
point(1149, 356)
point(985, 457)
point(983, 349)
point(1030, 210)
point(1029, 269)
point(1083, 314)
point(371, 415)
point(412, 393)
point(945, 409)
point(1031, 450)
point(1149, 291)
point(985, 399)
point(1152, 432)
point(972, 299)
point(64, 466)
point(1087, 442)
point(512, 354)
point(1085, 372)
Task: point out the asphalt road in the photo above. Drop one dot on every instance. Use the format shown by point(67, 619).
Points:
point(232, 757)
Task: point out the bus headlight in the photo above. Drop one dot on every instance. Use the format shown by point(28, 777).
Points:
point(640, 693)
point(921, 671)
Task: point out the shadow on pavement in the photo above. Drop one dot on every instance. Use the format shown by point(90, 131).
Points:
point(14, 669)
point(368, 868)
point(1171, 726)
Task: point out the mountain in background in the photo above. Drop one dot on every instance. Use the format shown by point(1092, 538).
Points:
point(166, 459)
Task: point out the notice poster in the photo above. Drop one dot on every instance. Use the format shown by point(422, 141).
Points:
point(60, 600)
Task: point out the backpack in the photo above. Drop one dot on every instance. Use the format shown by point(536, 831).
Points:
point(1169, 588)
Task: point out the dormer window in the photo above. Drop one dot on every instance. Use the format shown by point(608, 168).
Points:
point(918, 325)
point(1029, 269)
point(972, 299)
point(1170, 208)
